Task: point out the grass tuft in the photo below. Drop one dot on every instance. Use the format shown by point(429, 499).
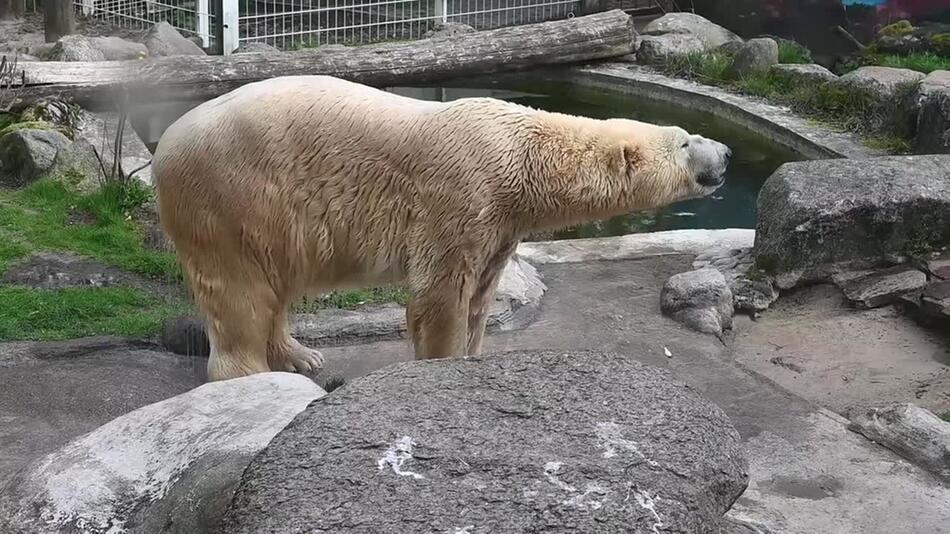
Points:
point(349, 300)
point(925, 62)
point(792, 52)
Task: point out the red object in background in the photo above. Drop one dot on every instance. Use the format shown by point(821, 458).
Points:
point(910, 9)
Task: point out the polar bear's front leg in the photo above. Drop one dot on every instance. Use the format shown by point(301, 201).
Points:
point(438, 323)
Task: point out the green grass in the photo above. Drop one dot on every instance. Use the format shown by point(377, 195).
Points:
point(879, 123)
point(945, 416)
point(926, 62)
point(349, 300)
point(792, 52)
point(48, 216)
point(37, 314)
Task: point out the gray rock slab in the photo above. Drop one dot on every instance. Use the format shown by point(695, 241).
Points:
point(883, 287)
point(819, 217)
point(657, 49)
point(935, 300)
point(911, 431)
point(82, 48)
point(163, 39)
point(166, 467)
point(933, 121)
point(710, 34)
point(699, 299)
point(517, 442)
point(56, 270)
point(51, 392)
point(802, 74)
point(28, 154)
point(754, 56)
point(883, 83)
point(100, 129)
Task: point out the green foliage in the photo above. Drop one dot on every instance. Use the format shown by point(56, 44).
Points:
point(31, 125)
point(792, 52)
point(710, 66)
point(7, 118)
point(44, 314)
point(349, 300)
point(47, 215)
point(941, 44)
point(897, 29)
point(925, 62)
point(945, 416)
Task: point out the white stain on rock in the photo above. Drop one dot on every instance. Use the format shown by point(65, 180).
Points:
point(648, 503)
point(612, 441)
point(463, 530)
point(551, 470)
point(396, 455)
point(592, 496)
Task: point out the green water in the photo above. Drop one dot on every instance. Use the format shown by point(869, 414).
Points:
point(732, 206)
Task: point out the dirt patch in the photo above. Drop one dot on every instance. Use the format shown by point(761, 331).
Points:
point(814, 344)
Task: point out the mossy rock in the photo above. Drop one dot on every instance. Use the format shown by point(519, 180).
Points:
point(26, 125)
point(897, 29)
point(941, 44)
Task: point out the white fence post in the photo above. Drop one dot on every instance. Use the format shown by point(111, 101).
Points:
point(441, 11)
point(202, 28)
point(229, 20)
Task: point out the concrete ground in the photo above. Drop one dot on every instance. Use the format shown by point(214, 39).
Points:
point(808, 474)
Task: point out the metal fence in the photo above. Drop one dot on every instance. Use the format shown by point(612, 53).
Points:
point(190, 17)
point(290, 24)
point(293, 24)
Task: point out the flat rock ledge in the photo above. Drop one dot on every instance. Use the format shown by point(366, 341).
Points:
point(167, 467)
point(578, 442)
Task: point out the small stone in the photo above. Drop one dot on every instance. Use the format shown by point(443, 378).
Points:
point(913, 432)
point(658, 49)
point(802, 74)
point(163, 39)
point(755, 56)
point(27, 155)
point(725, 263)
point(883, 287)
point(753, 296)
point(699, 299)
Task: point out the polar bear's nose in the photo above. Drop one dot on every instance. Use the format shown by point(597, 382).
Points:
point(728, 155)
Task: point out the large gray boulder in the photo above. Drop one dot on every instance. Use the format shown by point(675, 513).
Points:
point(802, 74)
point(883, 84)
point(577, 442)
point(700, 299)
point(28, 154)
point(754, 56)
point(710, 34)
point(83, 48)
point(255, 47)
point(933, 121)
point(163, 39)
point(166, 467)
point(913, 432)
point(816, 218)
point(658, 49)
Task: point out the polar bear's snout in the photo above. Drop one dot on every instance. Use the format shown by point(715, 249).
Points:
point(708, 160)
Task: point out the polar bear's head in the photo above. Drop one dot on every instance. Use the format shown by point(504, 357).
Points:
point(665, 164)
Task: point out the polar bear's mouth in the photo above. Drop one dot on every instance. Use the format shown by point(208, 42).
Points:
point(711, 179)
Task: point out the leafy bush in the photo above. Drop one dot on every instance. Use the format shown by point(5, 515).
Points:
point(792, 52)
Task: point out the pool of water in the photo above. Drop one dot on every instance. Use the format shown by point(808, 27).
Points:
point(732, 206)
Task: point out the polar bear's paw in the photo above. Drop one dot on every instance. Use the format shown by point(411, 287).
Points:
point(294, 357)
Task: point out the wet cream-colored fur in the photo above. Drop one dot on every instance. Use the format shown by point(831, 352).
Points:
point(307, 184)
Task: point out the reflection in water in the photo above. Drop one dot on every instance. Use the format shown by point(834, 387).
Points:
point(732, 206)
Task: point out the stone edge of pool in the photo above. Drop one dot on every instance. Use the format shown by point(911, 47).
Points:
point(776, 123)
point(634, 246)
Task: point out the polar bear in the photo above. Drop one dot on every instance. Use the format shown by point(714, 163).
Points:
point(306, 184)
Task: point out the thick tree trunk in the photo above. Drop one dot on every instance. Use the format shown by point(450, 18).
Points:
point(598, 36)
point(58, 19)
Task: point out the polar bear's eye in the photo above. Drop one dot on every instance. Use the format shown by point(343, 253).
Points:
point(685, 145)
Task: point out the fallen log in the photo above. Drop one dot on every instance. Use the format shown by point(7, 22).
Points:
point(579, 39)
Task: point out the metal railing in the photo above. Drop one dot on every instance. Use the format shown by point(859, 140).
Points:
point(290, 24)
point(294, 24)
point(189, 17)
